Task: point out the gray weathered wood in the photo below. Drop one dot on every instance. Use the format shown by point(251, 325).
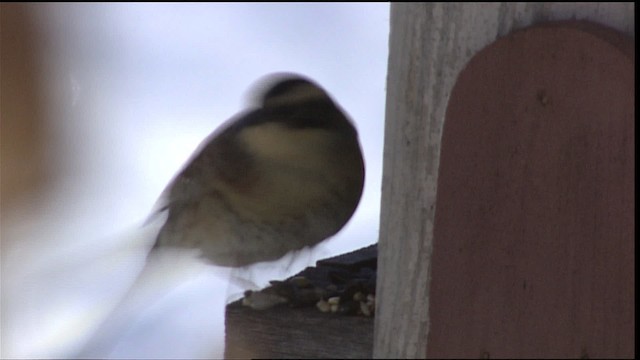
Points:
point(429, 46)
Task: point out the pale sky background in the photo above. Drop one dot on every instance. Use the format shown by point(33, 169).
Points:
point(134, 89)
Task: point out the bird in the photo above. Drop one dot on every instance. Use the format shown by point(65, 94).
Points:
point(285, 174)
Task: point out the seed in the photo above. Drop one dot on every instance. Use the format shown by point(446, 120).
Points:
point(323, 306)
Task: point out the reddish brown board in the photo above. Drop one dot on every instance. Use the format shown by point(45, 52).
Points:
point(533, 252)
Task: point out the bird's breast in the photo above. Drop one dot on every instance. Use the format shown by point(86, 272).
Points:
point(296, 169)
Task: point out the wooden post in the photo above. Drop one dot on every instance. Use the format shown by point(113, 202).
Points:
point(430, 44)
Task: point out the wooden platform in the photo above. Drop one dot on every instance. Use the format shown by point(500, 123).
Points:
point(285, 331)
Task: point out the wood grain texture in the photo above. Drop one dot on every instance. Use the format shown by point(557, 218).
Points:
point(429, 46)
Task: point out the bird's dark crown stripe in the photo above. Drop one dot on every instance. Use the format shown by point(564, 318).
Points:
point(322, 115)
